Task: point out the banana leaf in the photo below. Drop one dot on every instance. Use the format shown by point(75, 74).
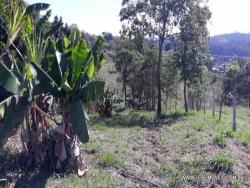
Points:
point(13, 109)
point(45, 83)
point(91, 91)
point(37, 7)
point(51, 63)
point(78, 58)
point(79, 120)
point(8, 80)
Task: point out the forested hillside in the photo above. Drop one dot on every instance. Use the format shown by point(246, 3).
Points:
point(234, 44)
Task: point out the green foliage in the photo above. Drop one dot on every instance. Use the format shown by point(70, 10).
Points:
point(72, 84)
point(14, 109)
point(8, 80)
point(222, 163)
point(220, 140)
point(108, 159)
point(67, 72)
point(160, 171)
point(229, 82)
point(175, 177)
point(79, 120)
point(199, 126)
point(191, 48)
point(105, 103)
point(229, 133)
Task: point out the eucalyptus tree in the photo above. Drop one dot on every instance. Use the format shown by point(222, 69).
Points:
point(230, 86)
point(243, 83)
point(192, 44)
point(154, 18)
point(124, 60)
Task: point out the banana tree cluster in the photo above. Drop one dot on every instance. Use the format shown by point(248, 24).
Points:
point(106, 102)
point(67, 73)
point(63, 70)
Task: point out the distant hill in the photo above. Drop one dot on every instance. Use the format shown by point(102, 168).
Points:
point(234, 44)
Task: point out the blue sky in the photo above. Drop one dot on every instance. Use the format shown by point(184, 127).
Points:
point(97, 16)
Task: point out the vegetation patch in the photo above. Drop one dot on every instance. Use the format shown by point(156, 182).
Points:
point(220, 140)
point(174, 177)
point(222, 163)
point(160, 171)
point(229, 133)
point(100, 127)
point(199, 126)
point(108, 159)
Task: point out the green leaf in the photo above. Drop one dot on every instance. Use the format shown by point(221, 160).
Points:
point(46, 83)
point(28, 28)
point(79, 120)
point(8, 80)
point(37, 7)
point(65, 85)
point(64, 63)
point(77, 60)
point(30, 72)
point(53, 64)
point(13, 110)
point(90, 70)
point(66, 43)
point(91, 91)
point(74, 36)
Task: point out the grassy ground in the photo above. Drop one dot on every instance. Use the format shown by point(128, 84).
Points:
point(132, 149)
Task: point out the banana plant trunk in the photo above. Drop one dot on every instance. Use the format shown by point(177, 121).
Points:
point(67, 148)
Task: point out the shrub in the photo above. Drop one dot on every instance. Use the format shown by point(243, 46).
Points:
point(222, 163)
point(198, 126)
point(220, 140)
point(229, 134)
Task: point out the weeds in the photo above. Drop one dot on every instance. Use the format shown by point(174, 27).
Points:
point(222, 163)
point(220, 140)
point(108, 159)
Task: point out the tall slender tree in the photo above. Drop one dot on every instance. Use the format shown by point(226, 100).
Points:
point(154, 17)
point(192, 44)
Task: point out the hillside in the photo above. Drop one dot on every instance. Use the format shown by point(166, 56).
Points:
point(234, 44)
point(133, 149)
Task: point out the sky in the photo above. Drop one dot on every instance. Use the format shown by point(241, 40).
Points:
point(97, 16)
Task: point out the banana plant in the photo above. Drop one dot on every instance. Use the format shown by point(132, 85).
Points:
point(68, 73)
point(19, 15)
point(16, 26)
point(18, 80)
point(71, 71)
point(65, 70)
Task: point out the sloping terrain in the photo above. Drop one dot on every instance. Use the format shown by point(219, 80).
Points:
point(133, 149)
point(233, 44)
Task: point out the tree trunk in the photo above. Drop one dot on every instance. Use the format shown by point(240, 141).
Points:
point(158, 78)
point(204, 103)
point(249, 102)
point(213, 102)
point(221, 105)
point(234, 112)
point(170, 103)
point(125, 95)
point(185, 96)
point(176, 101)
